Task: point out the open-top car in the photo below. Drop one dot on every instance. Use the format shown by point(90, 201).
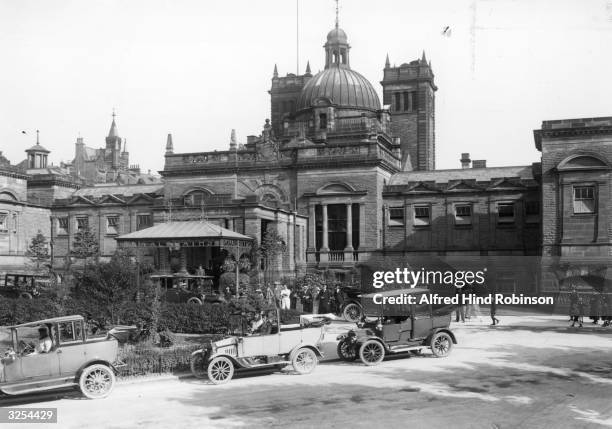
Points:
point(274, 345)
point(189, 288)
point(57, 353)
point(394, 326)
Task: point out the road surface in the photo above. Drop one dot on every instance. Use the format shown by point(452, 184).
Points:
point(530, 372)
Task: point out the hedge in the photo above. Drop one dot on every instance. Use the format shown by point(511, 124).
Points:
point(176, 317)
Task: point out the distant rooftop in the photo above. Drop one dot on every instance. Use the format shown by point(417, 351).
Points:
point(126, 190)
point(478, 174)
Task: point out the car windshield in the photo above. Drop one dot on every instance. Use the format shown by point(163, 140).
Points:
point(6, 342)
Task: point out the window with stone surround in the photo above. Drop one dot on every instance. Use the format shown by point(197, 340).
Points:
point(505, 213)
point(112, 225)
point(4, 223)
point(82, 223)
point(463, 214)
point(143, 221)
point(584, 199)
point(396, 216)
point(422, 216)
point(62, 225)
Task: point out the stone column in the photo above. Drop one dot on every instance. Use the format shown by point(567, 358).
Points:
point(325, 244)
point(312, 228)
point(183, 259)
point(164, 260)
point(349, 227)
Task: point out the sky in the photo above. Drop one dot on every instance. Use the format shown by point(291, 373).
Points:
point(198, 69)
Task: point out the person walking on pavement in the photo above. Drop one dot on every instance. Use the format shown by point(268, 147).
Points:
point(595, 307)
point(575, 308)
point(493, 310)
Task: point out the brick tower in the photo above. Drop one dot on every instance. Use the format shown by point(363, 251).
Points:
point(409, 91)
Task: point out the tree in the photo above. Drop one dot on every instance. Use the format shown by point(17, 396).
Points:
point(85, 245)
point(271, 246)
point(106, 288)
point(38, 251)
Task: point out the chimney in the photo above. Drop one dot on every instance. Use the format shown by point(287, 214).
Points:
point(233, 145)
point(169, 145)
point(479, 163)
point(465, 160)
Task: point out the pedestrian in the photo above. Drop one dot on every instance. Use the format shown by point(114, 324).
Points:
point(595, 308)
point(493, 311)
point(324, 300)
point(460, 308)
point(315, 294)
point(277, 293)
point(575, 308)
point(285, 299)
point(270, 298)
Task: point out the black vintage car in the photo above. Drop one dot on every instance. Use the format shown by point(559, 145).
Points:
point(189, 288)
point(25, 286)
point(397, 328)
point(349, 299)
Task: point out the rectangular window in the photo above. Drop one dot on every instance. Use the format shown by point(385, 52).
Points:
point(3, 223)
point(406, 101)
point(505, 213)
point(422, 216)
point(112, 225)
point(62, 226)
point(584, 199)
point(414, 103)
point(398, 101)
point(70, 332)
point(82, 223)
point(143, 221)
point(463, 214)
point(323, 121)
point(396, 216)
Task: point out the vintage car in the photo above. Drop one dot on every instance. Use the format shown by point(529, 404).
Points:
point(25, 286)
point(189, 288)
point(295, 344)
point(397, 328)
point(74, 359)
point(350, 303)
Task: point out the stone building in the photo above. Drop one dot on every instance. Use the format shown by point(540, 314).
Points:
point(345, 182)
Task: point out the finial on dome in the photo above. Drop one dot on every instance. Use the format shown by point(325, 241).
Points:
point(37, 137)
point(337, 15)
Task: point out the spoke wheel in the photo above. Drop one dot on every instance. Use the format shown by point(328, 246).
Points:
point(220, 370)
point(97, 381)
point(346, 350)
point(441, 344)
point(371, 352)
point(305, 361)
point(352, 312)
point(194, 300)
point(198, 365)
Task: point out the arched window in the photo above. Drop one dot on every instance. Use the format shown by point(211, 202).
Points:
point(269, 200)
point(196, 198)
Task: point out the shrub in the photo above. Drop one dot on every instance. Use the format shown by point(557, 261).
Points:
point(143, 359)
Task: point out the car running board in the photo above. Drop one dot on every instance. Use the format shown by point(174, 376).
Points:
point(37, 386)
point(399, 349)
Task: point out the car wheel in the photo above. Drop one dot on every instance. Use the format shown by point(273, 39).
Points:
point(97, 381)
point(441, 344)
point(194, 300)
point(305, 361)
point(198, 365)
point(346, 350)
point(371, 352)
point(352, 312)
point(25, 295)
point(220, 370)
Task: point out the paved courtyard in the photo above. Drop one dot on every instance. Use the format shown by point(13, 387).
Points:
point(529, 372)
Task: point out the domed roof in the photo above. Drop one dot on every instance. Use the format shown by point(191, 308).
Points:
point(337, 35)
point(343, 86)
